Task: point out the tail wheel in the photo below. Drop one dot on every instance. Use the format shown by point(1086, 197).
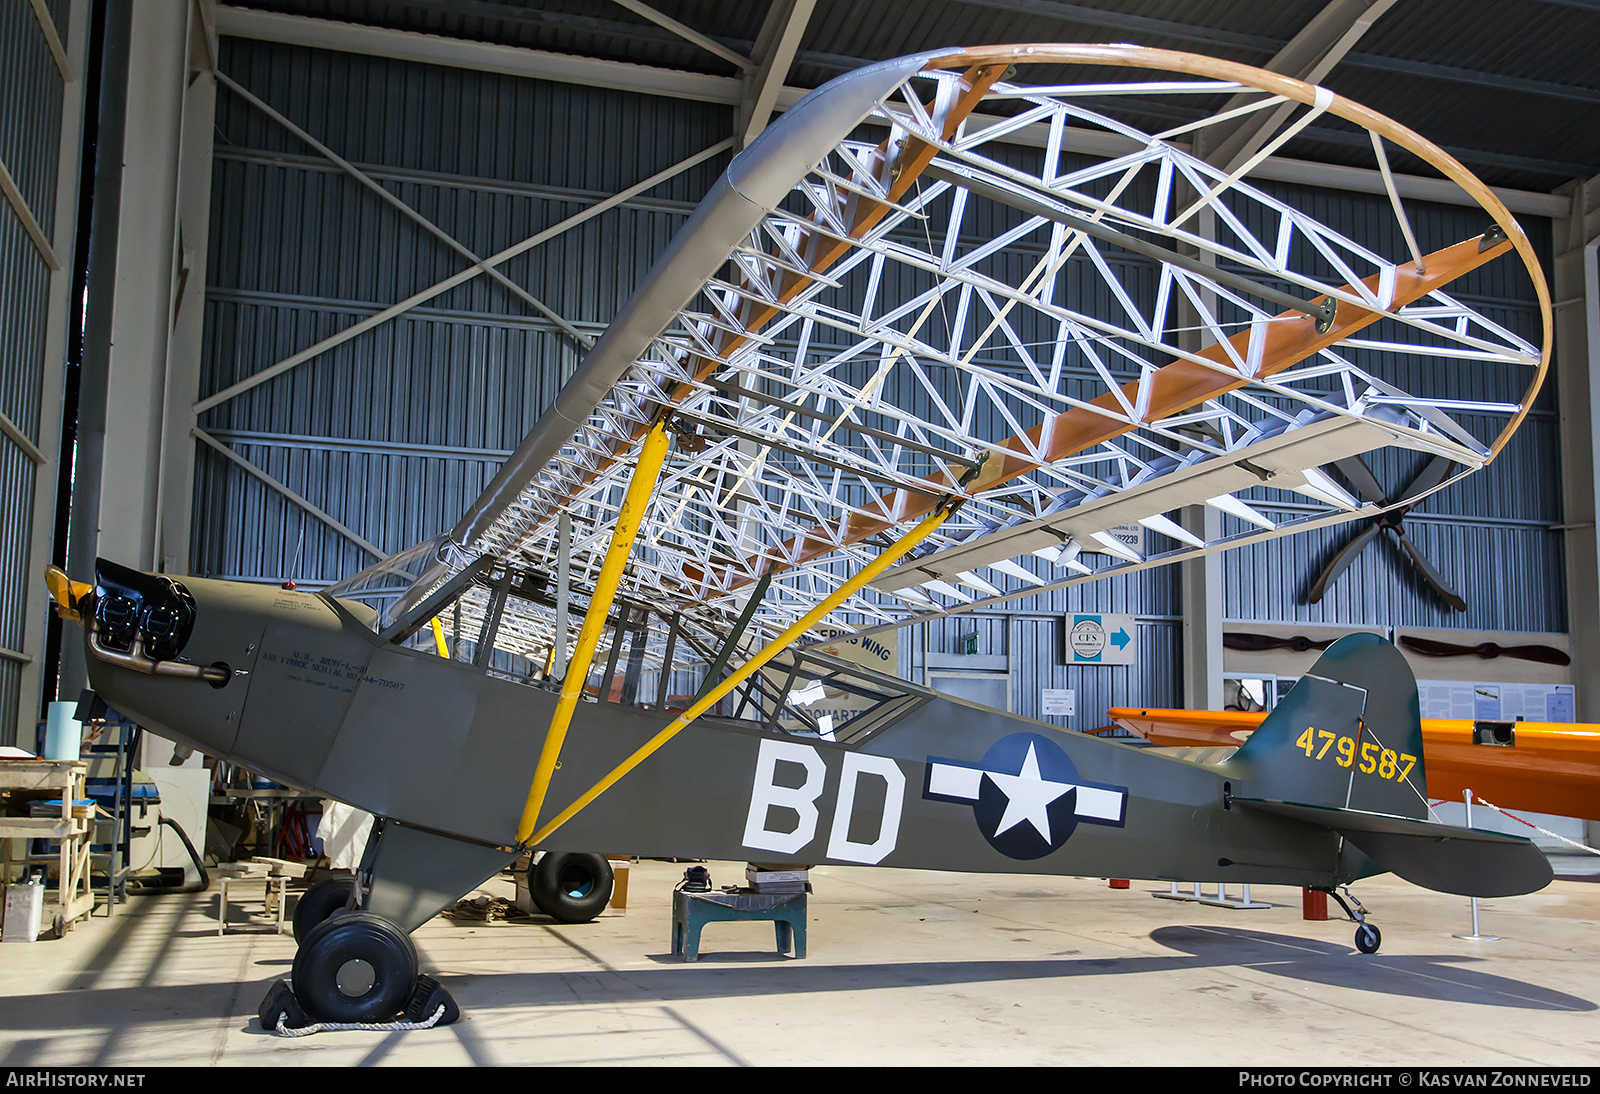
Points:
point(321, 902)
point(358, 967)
point(1368, 938)
point(570, 887)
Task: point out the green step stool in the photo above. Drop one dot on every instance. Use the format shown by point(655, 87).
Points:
point(691, 911)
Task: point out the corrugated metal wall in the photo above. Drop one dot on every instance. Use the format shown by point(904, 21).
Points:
point(396, 431)
point(1031, 643)
point(32, 89)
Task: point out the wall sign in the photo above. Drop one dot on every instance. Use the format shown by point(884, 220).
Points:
point(1098, 639)
point(1058, 703)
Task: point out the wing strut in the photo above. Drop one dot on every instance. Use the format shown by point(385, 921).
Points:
point(925, 528)
point(750, 605)
point(652, 455)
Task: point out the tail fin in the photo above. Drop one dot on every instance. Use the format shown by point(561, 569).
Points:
point(1343, 751)
point(1348, 735)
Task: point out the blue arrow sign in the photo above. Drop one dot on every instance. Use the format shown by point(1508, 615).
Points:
point(1095, 638)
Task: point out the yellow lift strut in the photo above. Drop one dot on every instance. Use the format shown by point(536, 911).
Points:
point(652, 454)
point(744, 672)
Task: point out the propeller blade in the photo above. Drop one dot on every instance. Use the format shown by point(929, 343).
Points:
point(1256, 643)
point(1547, 655)
point(1428, 647)
point(1341, 561)
point(1361, 477)
point(1434, 578)
point(1431, 475)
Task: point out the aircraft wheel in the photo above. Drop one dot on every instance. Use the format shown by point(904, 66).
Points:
point(358, 967)
point(321, 902)
point(1368, 938)
point(570, 887)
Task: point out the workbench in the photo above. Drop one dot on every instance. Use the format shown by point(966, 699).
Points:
point(72, 831)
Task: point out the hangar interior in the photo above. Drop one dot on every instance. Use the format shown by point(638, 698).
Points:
point(284, 284)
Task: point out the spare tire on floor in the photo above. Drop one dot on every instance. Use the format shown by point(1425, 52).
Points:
point(569, 886)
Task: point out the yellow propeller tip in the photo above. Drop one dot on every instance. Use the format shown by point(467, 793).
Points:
point(65, 591)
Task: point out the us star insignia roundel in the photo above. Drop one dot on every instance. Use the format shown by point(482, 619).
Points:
point(1025, 795)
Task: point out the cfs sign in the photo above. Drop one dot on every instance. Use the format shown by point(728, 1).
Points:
point(771, 802)
point(1097, 639)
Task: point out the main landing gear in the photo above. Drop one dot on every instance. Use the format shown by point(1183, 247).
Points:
point(353, 968)
point(1368, 937)
point(357, 965)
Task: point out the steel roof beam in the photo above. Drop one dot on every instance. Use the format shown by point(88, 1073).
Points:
point(688, 34)
point(774, 53)
point(1309, 56)
point(449, 283)
point(482, 56)
point(622, 76)
point(1452, 74)
point(1262, 44)
point(407, 211)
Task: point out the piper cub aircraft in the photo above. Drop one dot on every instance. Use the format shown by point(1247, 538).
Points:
point(933, 342)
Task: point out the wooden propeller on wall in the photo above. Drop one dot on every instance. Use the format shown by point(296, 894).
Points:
point(1259, 643)
point(1547, 655)
point(1427, 647)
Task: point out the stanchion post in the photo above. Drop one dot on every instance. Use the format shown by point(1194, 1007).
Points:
point(1475, 936)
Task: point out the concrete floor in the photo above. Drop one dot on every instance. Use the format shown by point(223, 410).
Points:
point(904, 968)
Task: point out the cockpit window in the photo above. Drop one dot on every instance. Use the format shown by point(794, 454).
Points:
point(505, 621)
point(388, 584)
point(814, 695)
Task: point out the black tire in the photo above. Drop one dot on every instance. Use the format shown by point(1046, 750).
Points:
point(1368, 938)
point(358, 967)
point(570, 887)
point(317, 904)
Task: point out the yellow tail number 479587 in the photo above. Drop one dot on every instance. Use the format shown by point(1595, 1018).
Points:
point(1384, 762)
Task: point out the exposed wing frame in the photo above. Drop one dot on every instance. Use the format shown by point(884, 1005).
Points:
point(788, 459)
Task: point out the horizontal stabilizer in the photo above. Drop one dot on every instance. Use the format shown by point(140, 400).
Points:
point(1442, 857)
